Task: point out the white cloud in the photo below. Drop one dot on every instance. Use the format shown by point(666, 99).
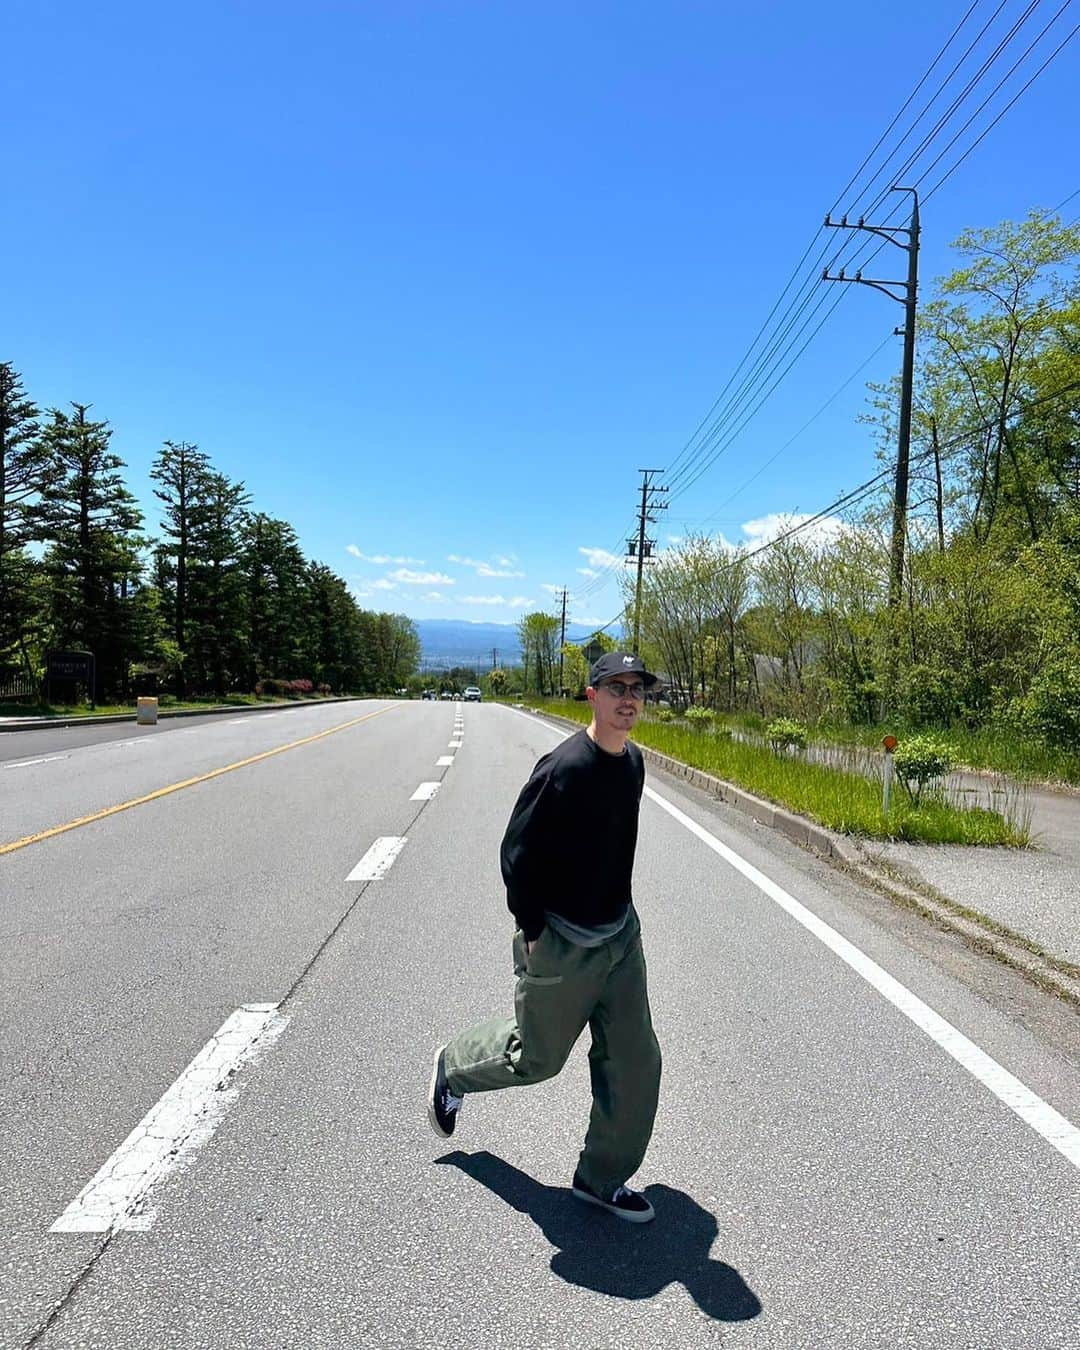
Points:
point(381, 559)
point(504, 567)
point(551, 589)
point(434, 596)
point(383, 585)
point(506, 562)
point(408, 578)
point(590, 620)
point(767, 528)
point(587, 572)
point(485, 571)
point(599, 557)
point(513, 602)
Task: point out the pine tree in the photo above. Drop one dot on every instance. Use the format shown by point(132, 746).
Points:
point(25, 469)
point(181, 472)
point(92, 563)
point(215, 623)
point(273, 570)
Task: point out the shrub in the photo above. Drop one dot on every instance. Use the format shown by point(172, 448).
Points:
point(699, 718)
point(301, 688)
point(665, 714)
point(784, 734)
point(920, 760)
point(273, 688)
point(1051, 708)
point(929, 695)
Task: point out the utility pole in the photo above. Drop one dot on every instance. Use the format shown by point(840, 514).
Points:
point(494, 658)
point(562, 640)
point(642, 548)
point(908, 297)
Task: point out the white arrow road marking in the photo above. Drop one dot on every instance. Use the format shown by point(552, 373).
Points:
point(424, 792)
point(1050, 1124)
point(379, 858)
point(174, 1130)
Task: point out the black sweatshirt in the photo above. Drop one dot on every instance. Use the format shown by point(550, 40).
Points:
point(569, 846)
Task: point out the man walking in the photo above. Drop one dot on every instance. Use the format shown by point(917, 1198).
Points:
point(567, 859)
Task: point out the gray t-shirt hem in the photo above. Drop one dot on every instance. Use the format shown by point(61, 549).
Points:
point(581, 936)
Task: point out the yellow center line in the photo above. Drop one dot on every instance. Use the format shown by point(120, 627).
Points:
point(188, 782)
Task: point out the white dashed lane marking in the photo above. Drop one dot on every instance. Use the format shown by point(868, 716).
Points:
point(26, 763)
point(379, 858)
point(181, 1122)
point(444, 761)
point(424, 792)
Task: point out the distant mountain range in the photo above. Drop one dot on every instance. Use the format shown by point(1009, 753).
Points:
point(457, 642)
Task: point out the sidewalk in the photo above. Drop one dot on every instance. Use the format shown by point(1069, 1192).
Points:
point(41, 721)
point(1035, 891)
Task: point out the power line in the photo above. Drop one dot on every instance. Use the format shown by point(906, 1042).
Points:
point(685, 474)
point(863, 490)
point(1023, 89)
point(674, 464)
point(805, 426)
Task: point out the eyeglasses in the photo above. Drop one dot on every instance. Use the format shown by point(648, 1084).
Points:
point(617, 689)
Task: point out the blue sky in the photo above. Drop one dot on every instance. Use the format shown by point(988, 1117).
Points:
point(435, 280)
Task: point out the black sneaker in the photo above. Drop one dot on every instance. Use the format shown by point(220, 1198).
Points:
point(442, 1105)
point(623, 1202)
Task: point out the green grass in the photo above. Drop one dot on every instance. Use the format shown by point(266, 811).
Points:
point(846, 802)
point(999, 749)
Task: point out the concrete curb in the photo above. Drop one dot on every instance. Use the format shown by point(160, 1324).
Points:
point(985, 935)
point(215, 710)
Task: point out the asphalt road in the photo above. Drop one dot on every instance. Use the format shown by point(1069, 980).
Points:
point(825, 1173)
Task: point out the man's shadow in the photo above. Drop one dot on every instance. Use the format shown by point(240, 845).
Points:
point(601, 1252)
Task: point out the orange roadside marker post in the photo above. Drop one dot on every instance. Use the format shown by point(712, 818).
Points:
point(889, 743)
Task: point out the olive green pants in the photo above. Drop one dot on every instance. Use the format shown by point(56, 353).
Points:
point(562, 987)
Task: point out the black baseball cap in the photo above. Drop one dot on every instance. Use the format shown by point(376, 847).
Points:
point(620, 663)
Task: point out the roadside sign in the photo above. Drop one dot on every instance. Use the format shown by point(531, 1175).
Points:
point(75, 667)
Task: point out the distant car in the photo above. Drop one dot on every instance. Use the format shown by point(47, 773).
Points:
point(447, 693)
point(472, 694)
point(428, 693)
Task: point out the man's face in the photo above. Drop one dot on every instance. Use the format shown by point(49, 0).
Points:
point(617, 702)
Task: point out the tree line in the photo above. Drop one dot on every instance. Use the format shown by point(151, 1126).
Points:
point(988, 627)
point(223, 601)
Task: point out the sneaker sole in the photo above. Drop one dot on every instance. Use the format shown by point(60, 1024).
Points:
point(629, 1216)
point(433, 1119)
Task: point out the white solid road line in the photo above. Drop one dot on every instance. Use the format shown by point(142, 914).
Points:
point(379, 858)
point(1040, 1115)
point(444, 761)
point(181, 1122)
point(1059, 1132)
point(25, 763)
point(424, 792)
